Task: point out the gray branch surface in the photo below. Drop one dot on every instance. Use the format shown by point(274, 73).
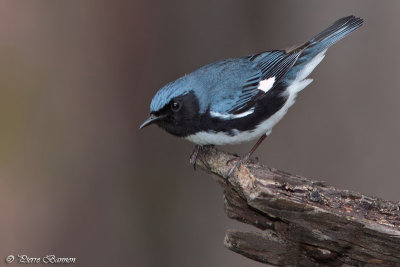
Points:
point(303, 222)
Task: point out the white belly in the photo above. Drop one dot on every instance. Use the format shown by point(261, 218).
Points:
point(222, 138)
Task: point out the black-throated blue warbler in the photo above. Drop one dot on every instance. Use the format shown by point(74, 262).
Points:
point(237, 100)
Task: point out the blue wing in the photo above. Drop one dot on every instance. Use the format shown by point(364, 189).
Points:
point(233, 84)
point(271, 64)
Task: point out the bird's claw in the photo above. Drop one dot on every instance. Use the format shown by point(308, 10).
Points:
point(233, 159)
point(195, 155)
point(236, 165)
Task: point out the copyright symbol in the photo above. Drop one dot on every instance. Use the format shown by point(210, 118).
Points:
point(10, 258)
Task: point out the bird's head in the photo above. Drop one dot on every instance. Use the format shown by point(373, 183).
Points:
point(174, 108)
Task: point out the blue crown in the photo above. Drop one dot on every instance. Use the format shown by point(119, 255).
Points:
point(168, 92)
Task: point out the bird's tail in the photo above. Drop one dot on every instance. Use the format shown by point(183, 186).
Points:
point(335, 32)
point(312, 52)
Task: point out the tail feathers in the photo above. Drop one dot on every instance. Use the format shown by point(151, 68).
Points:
point(337, 31)
point(313, 51)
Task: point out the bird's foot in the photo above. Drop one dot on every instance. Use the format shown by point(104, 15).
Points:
point(195, 154)
point(236, 158)
point(238, 163)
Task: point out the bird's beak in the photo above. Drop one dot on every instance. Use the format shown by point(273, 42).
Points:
point(152, 118)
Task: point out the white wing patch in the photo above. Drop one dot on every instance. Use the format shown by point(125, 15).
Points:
point(266, 85)
point(231, 116)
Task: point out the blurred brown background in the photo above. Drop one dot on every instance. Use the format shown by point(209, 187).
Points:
point(77, 177)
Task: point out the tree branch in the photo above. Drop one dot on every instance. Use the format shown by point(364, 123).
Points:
point(304, 222)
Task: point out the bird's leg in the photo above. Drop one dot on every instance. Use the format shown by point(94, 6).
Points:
point(195, 154)
point(247, 156)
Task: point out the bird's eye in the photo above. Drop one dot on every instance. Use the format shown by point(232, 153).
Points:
point(175, 106)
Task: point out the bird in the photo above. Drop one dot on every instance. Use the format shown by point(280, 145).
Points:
point(238, 100)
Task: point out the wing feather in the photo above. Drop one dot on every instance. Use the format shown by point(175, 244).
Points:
point(269, 64)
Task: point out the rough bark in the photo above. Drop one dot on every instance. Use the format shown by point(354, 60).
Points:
point(303, 222)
